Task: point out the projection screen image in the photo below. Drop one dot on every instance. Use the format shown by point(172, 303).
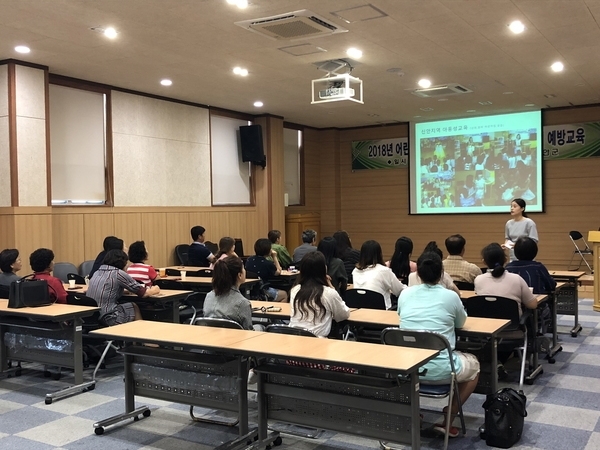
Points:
point(476, 165)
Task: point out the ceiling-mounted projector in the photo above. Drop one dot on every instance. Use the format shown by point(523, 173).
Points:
point(337, 88)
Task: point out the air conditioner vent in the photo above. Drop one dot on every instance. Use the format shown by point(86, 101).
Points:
point(441, 90)
point(301, 24)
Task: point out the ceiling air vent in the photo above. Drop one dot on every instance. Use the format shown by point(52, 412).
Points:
point(302, 24)
point(441, 91)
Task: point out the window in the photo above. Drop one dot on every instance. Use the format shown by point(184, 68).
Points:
point(78, 146)
point(292, 176)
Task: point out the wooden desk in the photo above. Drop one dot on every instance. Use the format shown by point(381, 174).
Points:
point(395, 404)
point(26, 327)
point(567, 298)
point(204, 284)
point(165, 297)
point(186, 268)
point(79, 288)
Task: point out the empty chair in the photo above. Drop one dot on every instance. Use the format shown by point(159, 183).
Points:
point(577, 238)
point(239, 248)
point(78, 278)
point(61, 271)
point(181, 251)
point(86, 267)
point(433, 341)
point(214, 248)
point(364, 298)
point(512, 337)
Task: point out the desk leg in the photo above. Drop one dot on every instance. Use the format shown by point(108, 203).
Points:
point(415, 430)
point(175, 312)
point(77, 355)
point(130, 410)
point(494, 374)
point(536, 367)
point(556, 347)
point(576, 328)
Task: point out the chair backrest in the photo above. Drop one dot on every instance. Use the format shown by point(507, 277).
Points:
point(181, 251)
point(78, 278)
point(494, 307)
point(464, 286)
point(169, 284)
point(286, 329)
point(196, 299)
point(217, 323)
point(415, 339)
point(62, 269)
point(214, 248)
point(86, 267)
point(203, 273)
point(364, 298)
point(239, 247)
point(575, 235)
point(4, 290)
point(92, 321)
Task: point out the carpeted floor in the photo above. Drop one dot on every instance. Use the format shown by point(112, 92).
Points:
point(563, 410)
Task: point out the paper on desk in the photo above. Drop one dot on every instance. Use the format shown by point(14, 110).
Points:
point(509, 244)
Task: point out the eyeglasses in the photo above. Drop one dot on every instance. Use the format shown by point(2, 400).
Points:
point(265, 309)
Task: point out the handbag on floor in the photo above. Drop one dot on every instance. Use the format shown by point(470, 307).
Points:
point(504, 417)
point(26, 293)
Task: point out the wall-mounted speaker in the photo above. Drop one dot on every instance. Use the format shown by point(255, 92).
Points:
point(251, 140)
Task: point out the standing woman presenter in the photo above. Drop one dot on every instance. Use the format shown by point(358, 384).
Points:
point(519, 225)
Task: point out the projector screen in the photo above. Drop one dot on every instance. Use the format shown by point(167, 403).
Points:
point(476, 165)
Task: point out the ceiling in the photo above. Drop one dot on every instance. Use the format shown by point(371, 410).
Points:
point(196, 44)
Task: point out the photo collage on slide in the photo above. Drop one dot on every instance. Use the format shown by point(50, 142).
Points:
point(486, 169)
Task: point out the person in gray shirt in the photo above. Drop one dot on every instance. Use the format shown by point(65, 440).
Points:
point(519, 225)
point(10, 264)
point(309, 239)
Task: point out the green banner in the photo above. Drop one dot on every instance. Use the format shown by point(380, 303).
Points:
point(574, 140)
point(380, 154)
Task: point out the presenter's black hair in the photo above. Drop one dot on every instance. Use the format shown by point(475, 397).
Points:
point(494, 258)
point(522, 204)
point(430, 268)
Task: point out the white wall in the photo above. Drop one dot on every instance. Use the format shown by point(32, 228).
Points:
point(4, 142)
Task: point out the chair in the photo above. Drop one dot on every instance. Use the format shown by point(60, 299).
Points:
point(258, 290)
point(62, 269)
point(364, 298)
point(287, 329)
point(4, 291)
point(203, 273)
point(86, 267)
point(512, 337)
point(586, 250)
point(181, 251)
point(433, 341)
point(239, 247)
point(464, 286)
point(192, 307)
point(78, 278)
point(214, 248)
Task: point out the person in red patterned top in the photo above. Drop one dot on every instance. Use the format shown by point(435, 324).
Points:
point(139, 270)
point(42, 263)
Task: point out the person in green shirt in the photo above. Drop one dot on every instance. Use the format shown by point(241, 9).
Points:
point(282, 253)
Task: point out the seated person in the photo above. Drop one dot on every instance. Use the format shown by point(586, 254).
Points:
point(226, 248)
point(400, 263)
point(455, 265)
point(225, 300)
point(314, 301)
point(346, 253)
point(108, 285)
point(309, 239)
point(534, 273)
point(139, 270)
point(285, 260)
point(429, 306)
point(198, 254)
point(445, 281)
point(265, 269)
point(497, 281)
point(335, 267)
point(370, 273)
point(110, 243)
point(42, 263)
point(10, 264)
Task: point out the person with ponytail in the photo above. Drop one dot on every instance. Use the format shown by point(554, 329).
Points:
point(314, 301)
point(497, 281)
point(519, 225)
point(225, 301)
point(400, 263)
point(429, 306)
point(226, 248)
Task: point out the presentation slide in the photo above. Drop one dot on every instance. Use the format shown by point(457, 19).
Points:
point(476, 165)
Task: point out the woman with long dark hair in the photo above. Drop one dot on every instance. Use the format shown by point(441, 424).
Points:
point(225, 301)
point(400, 263)
point(346, 253)
point(226, 248)
point(335, 266)
point(314, 302)
point(370, 273)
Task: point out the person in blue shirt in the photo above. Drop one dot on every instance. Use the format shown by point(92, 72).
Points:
point(198, 254)
point(265, 269)
point(430, 306)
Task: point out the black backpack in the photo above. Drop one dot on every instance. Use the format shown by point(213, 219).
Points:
point(504, 417)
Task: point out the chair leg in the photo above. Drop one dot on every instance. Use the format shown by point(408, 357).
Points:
point(109, 344)
point(523, 359)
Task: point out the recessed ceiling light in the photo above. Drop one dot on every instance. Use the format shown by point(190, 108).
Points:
point(442, 99)
point(508, 92)
point(22, 49)
point(426, 109)
point(416, 116)
point(516, 26)
point(485, 103)
point(166, 82)
point(239, 71)
point(110, 33)
point(550, 95)
point(354, 53)
point(471, 110)
point(424, 83)
point(258, 104)
point(557, 66)
point(239, 3)
point(529, 104)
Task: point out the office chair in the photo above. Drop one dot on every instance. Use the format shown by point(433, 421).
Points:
point(586, 250)
point(214, 248)
point(181, 251)
point(513, 337)
point(433, 341)
point(86, 267)
point(239, 248)
point(364, 298)
point(62, 269)
point(78, 278)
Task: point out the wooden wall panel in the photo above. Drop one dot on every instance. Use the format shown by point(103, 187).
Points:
point(7, 231)
point(128, 226)
point(96, 227)
point(32, 231)
point(67, 237)
point(154, 234)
